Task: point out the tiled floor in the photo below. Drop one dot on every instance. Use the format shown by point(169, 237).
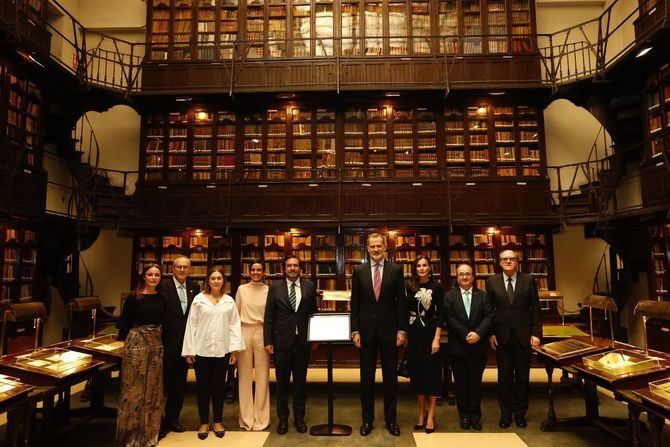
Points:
point(569, 403)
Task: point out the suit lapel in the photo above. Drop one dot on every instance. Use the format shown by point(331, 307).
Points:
point(367, 277)
point(475, 303)
point(283, 294)
point(385, 275)
point(461, 305)
point(303, 294)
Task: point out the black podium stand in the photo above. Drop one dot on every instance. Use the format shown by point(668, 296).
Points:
point(330, 429)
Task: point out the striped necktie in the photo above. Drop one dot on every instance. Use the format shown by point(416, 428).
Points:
point(291, 296)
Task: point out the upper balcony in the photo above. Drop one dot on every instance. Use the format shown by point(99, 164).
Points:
point(231, 46)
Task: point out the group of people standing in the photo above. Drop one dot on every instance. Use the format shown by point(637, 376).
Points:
point(168, 324)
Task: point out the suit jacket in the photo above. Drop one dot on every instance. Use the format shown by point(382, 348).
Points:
point(175, 318)
point(388, 314)
point(281, 320)
point(459, 324)
point(522, 314)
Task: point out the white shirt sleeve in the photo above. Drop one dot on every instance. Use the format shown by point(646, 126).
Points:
point(188, 349)
point(236, 340)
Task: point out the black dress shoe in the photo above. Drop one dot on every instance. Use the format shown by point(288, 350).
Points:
point(476, 425)
point(162, 433)
point(300, 426)
point(366, 428)
point(282, 427)
point(465, 424)
point(203, 436)
point(430, 430)
point(520, 421)
point(176, 428)
point(420, 427)
point(393, 429)
point(505, 422)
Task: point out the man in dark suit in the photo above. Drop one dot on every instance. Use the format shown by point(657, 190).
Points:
point(179, 292)
point(290, 303)
point(516, 327)
point(468, 314)
point(378, 323)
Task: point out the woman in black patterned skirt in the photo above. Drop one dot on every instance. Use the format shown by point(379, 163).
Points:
point(425, 301)
point(141, 399)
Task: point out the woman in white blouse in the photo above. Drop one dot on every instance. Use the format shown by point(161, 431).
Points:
point(213, 337)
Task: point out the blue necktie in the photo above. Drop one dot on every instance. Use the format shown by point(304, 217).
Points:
point(467, 302)
point(181, 290)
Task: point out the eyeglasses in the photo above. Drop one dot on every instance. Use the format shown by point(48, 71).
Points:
point(509, 259)
point(466, 274)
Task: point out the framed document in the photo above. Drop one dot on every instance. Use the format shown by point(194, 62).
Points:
point(329, 327)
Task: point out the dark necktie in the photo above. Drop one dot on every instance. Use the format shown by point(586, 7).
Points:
point(510, 290)
point(291, 296)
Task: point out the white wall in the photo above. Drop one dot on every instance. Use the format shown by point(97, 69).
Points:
point(117, 131)
point(576, 259)
point(109, 262)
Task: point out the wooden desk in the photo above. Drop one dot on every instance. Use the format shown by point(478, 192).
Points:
point(56, 416)
point(621, 386)
point(657, 409)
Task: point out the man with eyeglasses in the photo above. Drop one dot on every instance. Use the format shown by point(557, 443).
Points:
point(516, 328)
point(468, 314)
point(179, 292)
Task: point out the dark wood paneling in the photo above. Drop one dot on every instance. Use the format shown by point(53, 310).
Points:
point(356, 74)
point(655, 185)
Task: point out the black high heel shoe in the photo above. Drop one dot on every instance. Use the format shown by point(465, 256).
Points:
point(430, 430)
point(422, 426)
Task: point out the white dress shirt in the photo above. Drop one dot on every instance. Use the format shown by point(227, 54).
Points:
point(212, 330)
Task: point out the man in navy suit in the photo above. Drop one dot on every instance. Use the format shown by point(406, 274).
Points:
point(516, 328)
point(468, 314)
point(179, 292)
point(290, 303)
point(379, 321)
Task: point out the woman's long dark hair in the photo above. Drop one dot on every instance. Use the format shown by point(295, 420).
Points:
point(216, 268)
point(141, 283)
point(414, 285)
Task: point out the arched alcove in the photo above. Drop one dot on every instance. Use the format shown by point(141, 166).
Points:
point(111, 140)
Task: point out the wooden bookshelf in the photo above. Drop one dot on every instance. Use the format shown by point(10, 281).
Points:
point(304, 143)
point(183, 30)
point(22, 121)
point(659, 274)
point(405, 248)
point(222, 255)
point(329, 257)
point(225, 144)
point(19, 259)
point(481, 248)
point(325, 261)
point(657, 98)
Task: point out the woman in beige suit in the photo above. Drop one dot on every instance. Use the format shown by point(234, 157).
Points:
point(250, 300)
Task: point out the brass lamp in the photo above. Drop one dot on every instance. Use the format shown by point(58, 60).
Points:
point(82, 304)
point(20, 312)
point(651, 309)
point(605, 303)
